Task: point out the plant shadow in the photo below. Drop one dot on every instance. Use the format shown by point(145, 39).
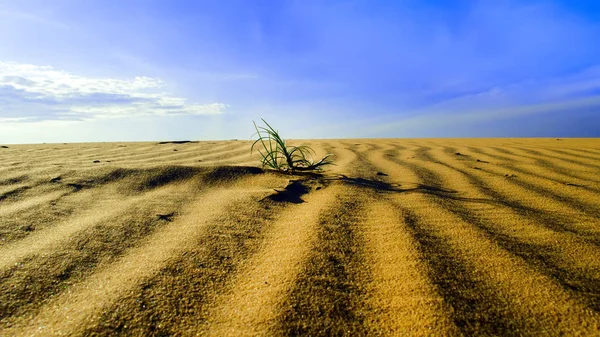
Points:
point(291, 193)
point(309, 180)
point(380, 186)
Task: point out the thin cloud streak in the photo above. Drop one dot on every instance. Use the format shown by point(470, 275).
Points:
point(428, 123)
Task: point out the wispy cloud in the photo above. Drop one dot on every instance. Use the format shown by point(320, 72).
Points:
point(549, 91)
point(443, 121)
point(32, 18)
point(33, 93)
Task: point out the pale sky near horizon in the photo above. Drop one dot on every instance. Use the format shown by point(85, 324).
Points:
point(133, 70)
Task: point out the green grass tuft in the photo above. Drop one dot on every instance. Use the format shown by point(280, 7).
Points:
point(278, 156)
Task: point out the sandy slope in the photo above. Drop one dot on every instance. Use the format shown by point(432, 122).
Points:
point(402, 237)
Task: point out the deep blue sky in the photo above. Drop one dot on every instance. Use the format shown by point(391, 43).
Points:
point(145, 70)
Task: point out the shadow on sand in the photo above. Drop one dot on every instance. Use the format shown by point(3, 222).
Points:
point(297, 188)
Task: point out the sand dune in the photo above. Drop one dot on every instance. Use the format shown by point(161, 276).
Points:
point(441, 237)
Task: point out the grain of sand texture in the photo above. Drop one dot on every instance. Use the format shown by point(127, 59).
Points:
point(423, 237)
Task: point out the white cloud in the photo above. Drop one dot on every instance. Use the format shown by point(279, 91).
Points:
point(33, 93)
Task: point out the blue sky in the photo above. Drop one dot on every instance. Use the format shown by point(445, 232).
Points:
point(147, 70)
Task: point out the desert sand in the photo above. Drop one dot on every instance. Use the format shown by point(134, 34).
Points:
point(418, 237)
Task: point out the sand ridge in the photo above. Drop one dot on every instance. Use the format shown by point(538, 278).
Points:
point(403, 237)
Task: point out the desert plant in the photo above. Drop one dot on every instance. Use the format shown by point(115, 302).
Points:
point(278, 156)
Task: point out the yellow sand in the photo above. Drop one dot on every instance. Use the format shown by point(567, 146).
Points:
point(403, 237)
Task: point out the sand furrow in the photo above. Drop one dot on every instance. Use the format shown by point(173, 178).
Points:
point(80, 308)
point(538, 169)
point(12, 191)
point(124, 151)
point(190, 156)
point(568, 152)
point(571, 160)
point(519, 306)
point(178, 297)
point(166, 153)
point(11, 208)
point(232, 158)
point(342, 158)
point(30, 220)
point(119, 154)
point(406, 301)
point(594, 153)
point(573, 262)
point(584, 201)
point(558, 215)
point(474, 309)
point(402, 237)
point(87, 187)
point(585, 174)
point(48, 155)
point(13, 180)
point(45, 240)
point(85, 156)
point(328, 298)
point(403, 279)
point(563, 184)
point(41, 171)
point(252, 305)
point(38, 277)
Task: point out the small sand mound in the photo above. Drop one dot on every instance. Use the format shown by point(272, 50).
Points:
point(13, 192)
point(145, 179)
point(14, 180)
point(229, 173)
